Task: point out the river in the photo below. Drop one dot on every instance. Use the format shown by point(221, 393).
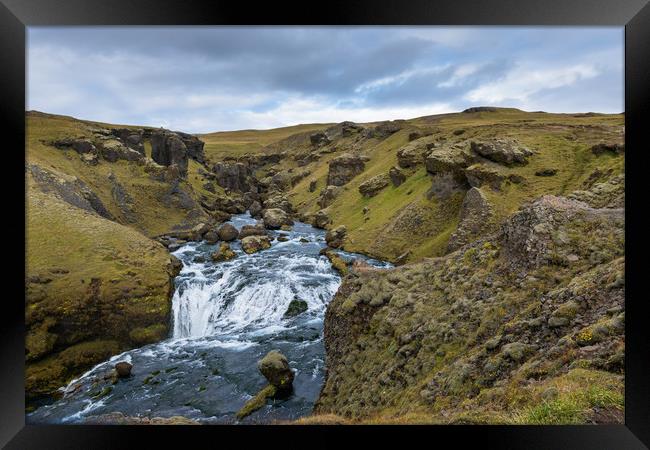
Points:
point(226, 317)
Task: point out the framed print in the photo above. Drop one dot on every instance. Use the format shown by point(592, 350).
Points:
point(375, 218)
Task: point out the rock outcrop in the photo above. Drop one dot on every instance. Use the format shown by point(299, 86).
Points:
point(235, 176)
point(374, 185)
point(396, 176)
point(133, 139)
point(336, 236)
point(475, 218)
point(534, 301)
point(321, 220)
point(328, 195)
point(343, 168)
point(168, 149)
point(503, 151)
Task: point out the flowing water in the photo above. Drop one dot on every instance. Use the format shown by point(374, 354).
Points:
point(226, 317)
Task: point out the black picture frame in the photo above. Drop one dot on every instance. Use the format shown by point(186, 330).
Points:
point(634, 15)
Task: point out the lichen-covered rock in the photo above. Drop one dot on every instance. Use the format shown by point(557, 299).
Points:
point(551, 229)
point(373, 186)
point(274, 218)
point(503, 151)
point(131, 138)
point(335, 237)
point(479, 175)
point(337, 262)
point(275, 368)
point(609, 193)
point(253, 244)
point(81, 146)
point(384, 129)
point(413, 153)
point(343, 168)
point(449, 160)
point(227, 232)
point(113, 150)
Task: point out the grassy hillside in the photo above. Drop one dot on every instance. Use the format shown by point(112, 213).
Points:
point(94, 287)
point(96, 284)
point(501, 313)
point(223, 144)
point(150, 206)
point(408, 218)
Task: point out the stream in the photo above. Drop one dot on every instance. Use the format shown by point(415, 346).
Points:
point(226, 317)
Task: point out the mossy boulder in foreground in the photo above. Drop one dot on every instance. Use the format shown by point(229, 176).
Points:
point(275, 368)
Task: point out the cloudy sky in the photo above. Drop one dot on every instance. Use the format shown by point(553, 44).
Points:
point(202, 79)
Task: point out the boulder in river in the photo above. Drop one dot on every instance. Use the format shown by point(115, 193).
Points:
point(123, 369)
point(211, 237)
point(253, 244)
point(252, 230)
point(227, 232)
point(296, 307)
point(255, 209)
point(275, 368)
point(224, 253)
point(274, 218)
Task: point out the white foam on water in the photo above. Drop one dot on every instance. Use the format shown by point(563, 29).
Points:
point(249, 295)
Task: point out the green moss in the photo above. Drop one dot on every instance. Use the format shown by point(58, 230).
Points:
point(256, 402)
point(46, 376)
point(147, 335)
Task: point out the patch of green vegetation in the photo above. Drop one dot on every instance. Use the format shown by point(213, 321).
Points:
point(256, 402)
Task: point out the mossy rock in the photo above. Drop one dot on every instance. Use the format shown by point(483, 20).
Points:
point(256, 402)
point(295, 308)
